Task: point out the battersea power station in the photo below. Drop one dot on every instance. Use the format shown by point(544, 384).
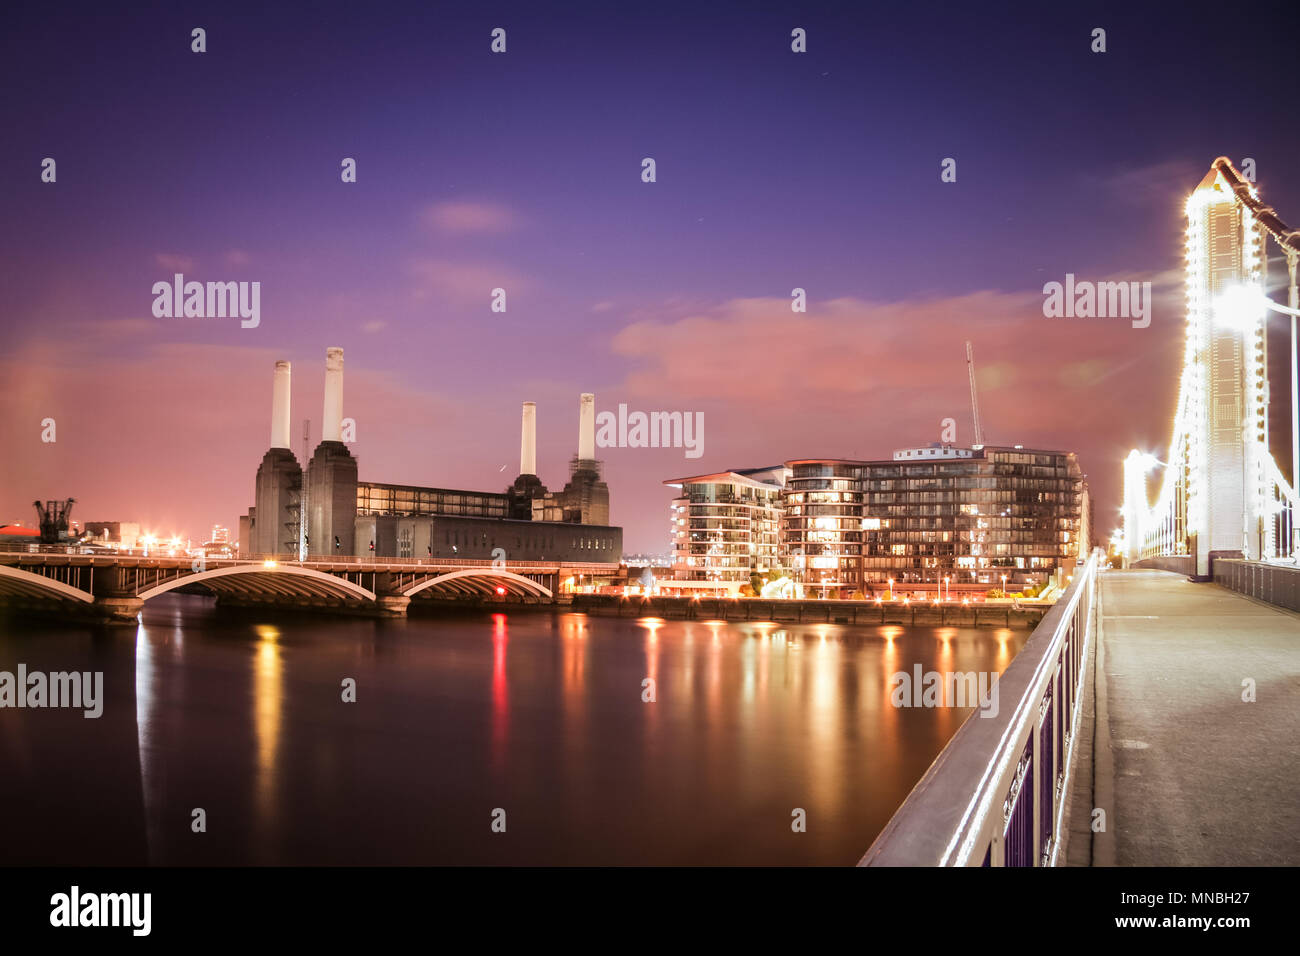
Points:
point(328, 511)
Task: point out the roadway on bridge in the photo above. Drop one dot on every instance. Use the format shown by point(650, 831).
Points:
point(1198, 777)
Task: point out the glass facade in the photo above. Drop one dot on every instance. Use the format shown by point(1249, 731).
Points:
point(822, 527)
point(380, 499)
point(973, 517)
point(726, 527)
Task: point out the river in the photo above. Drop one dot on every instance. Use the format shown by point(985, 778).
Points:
point(463, 726)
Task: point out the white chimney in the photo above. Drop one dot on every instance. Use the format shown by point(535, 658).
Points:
point(280, 406)
point(332, 428)
point(528, 440)
point(587, 427)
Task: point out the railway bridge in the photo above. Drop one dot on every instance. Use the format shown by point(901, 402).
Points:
point(114, 587)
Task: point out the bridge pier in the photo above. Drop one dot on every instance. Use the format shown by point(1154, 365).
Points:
point(117, 609)
point(389, 600)
point(115, 599)
point(392, 605)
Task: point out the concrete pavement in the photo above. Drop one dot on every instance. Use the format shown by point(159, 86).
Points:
point(1194, 775)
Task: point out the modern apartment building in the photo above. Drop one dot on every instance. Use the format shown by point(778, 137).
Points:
point(726, 526)
point(966, 517)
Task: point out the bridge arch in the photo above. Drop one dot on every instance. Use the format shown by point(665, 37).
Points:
point(286, 580)
point(482, 581)
point(16, 581)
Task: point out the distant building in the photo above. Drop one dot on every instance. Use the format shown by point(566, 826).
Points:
point(114, 534)
point(220, 535)
point(643, 561)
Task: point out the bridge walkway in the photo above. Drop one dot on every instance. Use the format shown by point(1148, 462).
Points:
point(1189, 774)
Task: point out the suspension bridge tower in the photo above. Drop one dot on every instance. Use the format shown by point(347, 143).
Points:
point(1222, 490)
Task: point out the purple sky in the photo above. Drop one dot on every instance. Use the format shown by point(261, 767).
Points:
point(522, 171)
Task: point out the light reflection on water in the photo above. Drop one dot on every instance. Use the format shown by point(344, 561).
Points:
point(542, 715)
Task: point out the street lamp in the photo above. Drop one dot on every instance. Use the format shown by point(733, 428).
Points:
point(947, 586)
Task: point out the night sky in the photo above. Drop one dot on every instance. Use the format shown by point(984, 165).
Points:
point(522, 170)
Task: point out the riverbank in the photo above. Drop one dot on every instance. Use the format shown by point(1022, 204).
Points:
point(813, 612)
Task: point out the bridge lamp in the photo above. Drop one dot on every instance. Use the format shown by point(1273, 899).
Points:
point(1250, 299)
point(268, 563)
point(500, 591)
point(1240, 307)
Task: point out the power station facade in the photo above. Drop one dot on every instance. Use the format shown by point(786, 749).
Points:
point(328, 511)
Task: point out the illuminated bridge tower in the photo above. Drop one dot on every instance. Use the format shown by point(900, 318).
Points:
point(1222, 490)
point(1228, 443)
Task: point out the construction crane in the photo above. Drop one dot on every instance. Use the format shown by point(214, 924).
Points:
point(974, 399)
point(52, 519)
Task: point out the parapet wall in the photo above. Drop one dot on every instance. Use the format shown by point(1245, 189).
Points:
point(1178, 563)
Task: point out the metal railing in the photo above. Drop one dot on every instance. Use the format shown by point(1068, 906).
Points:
point(1276, 584)
point(994, 796)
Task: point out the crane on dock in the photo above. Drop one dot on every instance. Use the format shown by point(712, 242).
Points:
point(52, 519)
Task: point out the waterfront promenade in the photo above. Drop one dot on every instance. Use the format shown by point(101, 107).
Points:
point(1188, 772)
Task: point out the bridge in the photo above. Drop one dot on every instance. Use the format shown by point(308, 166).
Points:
point(115, 587)
point(1140, 723)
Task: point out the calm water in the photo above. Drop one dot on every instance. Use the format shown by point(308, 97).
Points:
point(240, 713)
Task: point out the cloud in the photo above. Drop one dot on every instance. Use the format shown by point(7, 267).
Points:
point(175, 263)
point(238, 257)
point(847, 348)
point(470, 217)
point(465, 283)
point(110, 330)
point(374, 325)
point(858, 379)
